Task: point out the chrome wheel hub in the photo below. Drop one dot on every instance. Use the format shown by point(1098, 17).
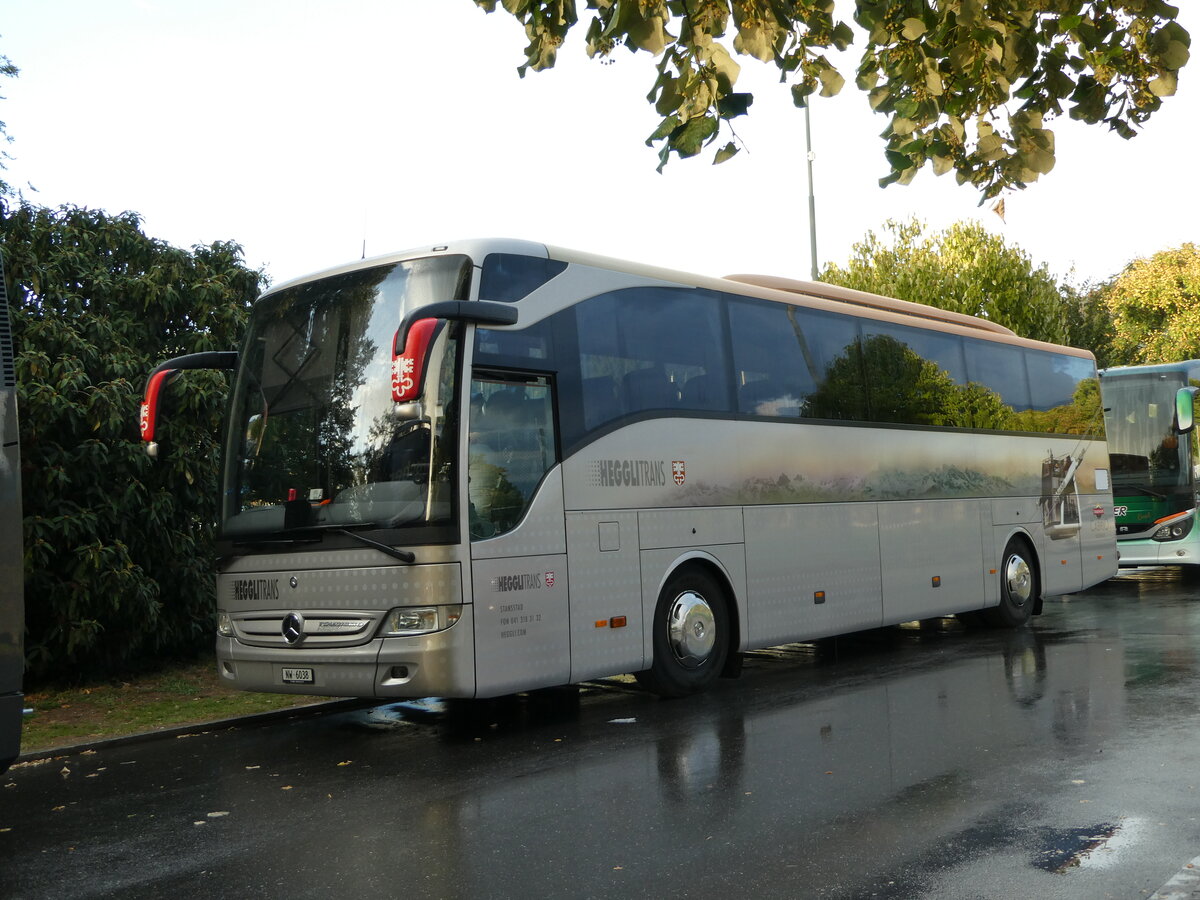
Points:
point(691, 630)
point(1019, 580)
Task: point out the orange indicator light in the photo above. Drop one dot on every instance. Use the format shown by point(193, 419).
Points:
point(602, 623)
point(616, 622)
point(818, 597)
point(937, 580)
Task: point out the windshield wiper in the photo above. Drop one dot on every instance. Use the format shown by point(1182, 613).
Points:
point(403, 555)
point(347, 530)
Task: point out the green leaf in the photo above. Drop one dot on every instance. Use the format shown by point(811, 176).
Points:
point(725, 66)
point(691, 138)
point(733, 105)
point(831, 82)
point(664, 130)
point(842, 36)
point(726, 152)
point(866, 81)
point(1174, 55)
point(990, 147)
point(913, 29)
point(1164, 85)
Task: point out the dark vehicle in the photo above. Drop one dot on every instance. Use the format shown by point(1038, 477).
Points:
point(12, 579)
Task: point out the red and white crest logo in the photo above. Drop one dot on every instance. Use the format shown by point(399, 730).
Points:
point(549, 579)
point(677, 471)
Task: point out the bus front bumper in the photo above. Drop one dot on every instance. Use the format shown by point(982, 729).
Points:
point(1145, 552)
point(440, 664)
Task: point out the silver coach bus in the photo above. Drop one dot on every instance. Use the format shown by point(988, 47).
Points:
point(493, 466)
point(12, 574)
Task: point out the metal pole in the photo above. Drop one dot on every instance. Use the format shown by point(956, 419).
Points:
point(812, 202)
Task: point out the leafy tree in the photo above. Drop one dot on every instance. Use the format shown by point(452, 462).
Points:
point(118, 556)
point(1090, 324)
point(965, 269)
point(1155, 306)
point(945, 73)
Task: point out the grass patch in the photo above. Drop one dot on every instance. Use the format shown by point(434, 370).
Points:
point(178, 695)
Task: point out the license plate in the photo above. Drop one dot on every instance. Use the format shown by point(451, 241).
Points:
point(298, 676)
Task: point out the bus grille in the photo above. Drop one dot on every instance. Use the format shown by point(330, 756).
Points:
point(310, 629)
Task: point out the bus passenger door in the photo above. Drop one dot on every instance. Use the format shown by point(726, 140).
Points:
point(518, 547)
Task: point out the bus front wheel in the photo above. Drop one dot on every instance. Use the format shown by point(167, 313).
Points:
point(691, 634)
point(1018, 587)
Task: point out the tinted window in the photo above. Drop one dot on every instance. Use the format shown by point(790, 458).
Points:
point(525, 348)
point(1053, 378)
point(999, 368)
point(507, 277)
point(648, 349)
point(1065, 393)
point(913, 376)
point(942, 350)
point(783, 357)
point(511, 446)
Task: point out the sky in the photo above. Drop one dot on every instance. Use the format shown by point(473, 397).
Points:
point(308, 130)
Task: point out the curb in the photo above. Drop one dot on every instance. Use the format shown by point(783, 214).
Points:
point(305, 710)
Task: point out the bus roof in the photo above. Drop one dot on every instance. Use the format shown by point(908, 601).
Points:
point(813, 293)
point(872, 301)
point(1181, 366)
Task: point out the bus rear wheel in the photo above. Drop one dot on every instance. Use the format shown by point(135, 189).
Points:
point(1018, 587)
point(690, 634)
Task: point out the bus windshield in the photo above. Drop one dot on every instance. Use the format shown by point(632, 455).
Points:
point(1149, 457)
point(315, 439)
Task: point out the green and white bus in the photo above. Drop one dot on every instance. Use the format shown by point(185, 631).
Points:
point(12, 563)
point(492, 466)
point(1153, 454)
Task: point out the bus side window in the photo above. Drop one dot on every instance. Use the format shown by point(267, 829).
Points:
point(599, 400)
point(511, 446)
point(648, 389)
point(641, 349)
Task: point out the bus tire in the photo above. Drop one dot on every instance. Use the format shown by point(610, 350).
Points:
point(1018, 587)
point(690, 634)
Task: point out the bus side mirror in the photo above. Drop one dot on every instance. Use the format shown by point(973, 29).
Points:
point(148, 417)
point(410, 346)
point(161, 377)
point(1185, 403)
point(408, 361)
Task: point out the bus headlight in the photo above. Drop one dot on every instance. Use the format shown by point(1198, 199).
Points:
point(407, 620)
point(224, 624)
point(1174, 531)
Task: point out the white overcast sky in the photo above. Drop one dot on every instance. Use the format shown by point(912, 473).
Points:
point(301, 129)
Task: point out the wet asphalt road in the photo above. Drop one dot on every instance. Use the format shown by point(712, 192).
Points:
point(1062, 761)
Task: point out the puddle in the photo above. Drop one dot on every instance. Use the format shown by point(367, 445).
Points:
point(1093, 846)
